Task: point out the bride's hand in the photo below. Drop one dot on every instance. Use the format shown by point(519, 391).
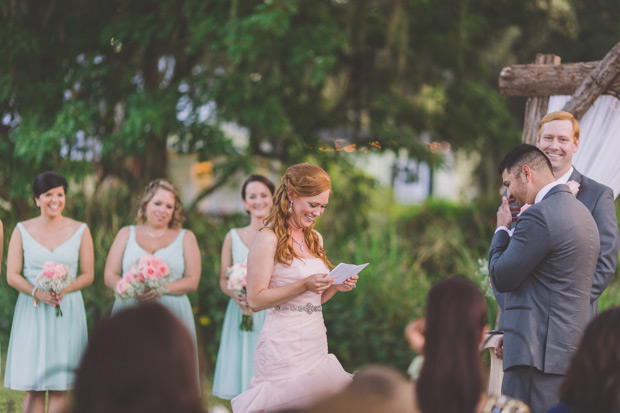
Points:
point(349, 283)
point(317, 283)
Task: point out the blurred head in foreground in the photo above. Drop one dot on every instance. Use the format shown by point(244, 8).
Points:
point(452, 376)
point(141, 360)
point(375, 389)
point(592, 382)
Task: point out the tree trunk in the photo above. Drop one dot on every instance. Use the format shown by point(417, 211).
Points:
point(155, 158)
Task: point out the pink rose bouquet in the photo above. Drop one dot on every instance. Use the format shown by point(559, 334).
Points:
point(54, 277)
point(237, 276)
point(149, 273)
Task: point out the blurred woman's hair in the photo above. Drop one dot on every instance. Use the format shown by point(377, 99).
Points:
point(374, 389)
point(452, 379)
point(46, 181)
point(140, 360)
point(257, 178)
point(304, 180)
point(592, 381)
point(178, 216)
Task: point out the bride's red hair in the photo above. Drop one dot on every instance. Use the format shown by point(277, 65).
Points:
point(304, 180)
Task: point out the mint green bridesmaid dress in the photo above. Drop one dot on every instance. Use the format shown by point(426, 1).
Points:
point(172, 254)
point(234, 366)
point(44, 350)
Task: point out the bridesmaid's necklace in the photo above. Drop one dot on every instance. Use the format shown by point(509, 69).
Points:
point(150, 234)
point(300, 243)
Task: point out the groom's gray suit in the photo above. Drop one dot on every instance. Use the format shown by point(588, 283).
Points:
point(546, 270)
point(599, 199)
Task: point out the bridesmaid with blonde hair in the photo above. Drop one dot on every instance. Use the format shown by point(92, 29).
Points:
point(159, 233)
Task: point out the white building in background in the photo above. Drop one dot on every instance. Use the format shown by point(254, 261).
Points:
point(411, 181)
point(192, 177)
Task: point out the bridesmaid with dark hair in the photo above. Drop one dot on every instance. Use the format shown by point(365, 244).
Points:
point(45, 349)
point(235, 359)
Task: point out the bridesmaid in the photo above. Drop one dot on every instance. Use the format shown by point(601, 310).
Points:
point(159, 233)
point(45, 349)
point(235, 359)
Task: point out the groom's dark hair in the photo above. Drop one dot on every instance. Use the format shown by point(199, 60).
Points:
point(524, 154)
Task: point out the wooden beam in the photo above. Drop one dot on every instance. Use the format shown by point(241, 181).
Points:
point(536, 107)
point(595, 84)
point(548, 80)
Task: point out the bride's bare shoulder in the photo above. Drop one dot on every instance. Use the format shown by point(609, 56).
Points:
point(266, 234)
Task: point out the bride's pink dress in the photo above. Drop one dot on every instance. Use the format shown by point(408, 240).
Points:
point(292, 367)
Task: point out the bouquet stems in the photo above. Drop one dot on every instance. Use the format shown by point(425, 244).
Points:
point(247, 323)
point(58, 311)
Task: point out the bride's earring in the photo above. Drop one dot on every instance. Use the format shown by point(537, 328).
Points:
point(290, 207)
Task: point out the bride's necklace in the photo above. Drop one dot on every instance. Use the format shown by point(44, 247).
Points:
point(300, 243)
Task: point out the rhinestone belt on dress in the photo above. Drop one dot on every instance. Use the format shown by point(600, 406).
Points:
point(308, 308)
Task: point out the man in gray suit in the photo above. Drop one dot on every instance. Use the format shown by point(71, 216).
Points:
point(546, 269)
point(558, 138)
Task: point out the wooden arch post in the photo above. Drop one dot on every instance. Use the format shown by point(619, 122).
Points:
point(584, 81)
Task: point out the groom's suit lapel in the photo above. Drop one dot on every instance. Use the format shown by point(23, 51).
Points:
point(556, 189)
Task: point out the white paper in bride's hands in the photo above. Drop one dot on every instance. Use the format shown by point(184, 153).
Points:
point(343, 271)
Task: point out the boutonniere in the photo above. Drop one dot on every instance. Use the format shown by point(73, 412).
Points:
point(573, 186)
point(523, 208)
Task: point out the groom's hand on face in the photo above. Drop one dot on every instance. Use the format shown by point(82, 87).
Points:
point(514, 206)
point(504, 214)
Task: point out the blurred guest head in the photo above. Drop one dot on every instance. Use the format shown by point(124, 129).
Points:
point(375, 389)
point(141, 360)
point(592, 382)
point(153, 188)
point(452, 379)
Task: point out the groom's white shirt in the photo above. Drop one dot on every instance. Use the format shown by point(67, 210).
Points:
point(539, 196)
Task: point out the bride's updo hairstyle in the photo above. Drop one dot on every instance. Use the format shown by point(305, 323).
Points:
point(304, 180)
point(177, 217)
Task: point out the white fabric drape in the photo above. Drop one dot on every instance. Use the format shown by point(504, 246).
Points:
point(598, 156)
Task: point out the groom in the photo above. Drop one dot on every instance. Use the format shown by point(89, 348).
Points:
point(558, 138)
point(546, 269)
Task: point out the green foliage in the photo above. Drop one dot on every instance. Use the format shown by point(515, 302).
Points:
point(409, 248)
